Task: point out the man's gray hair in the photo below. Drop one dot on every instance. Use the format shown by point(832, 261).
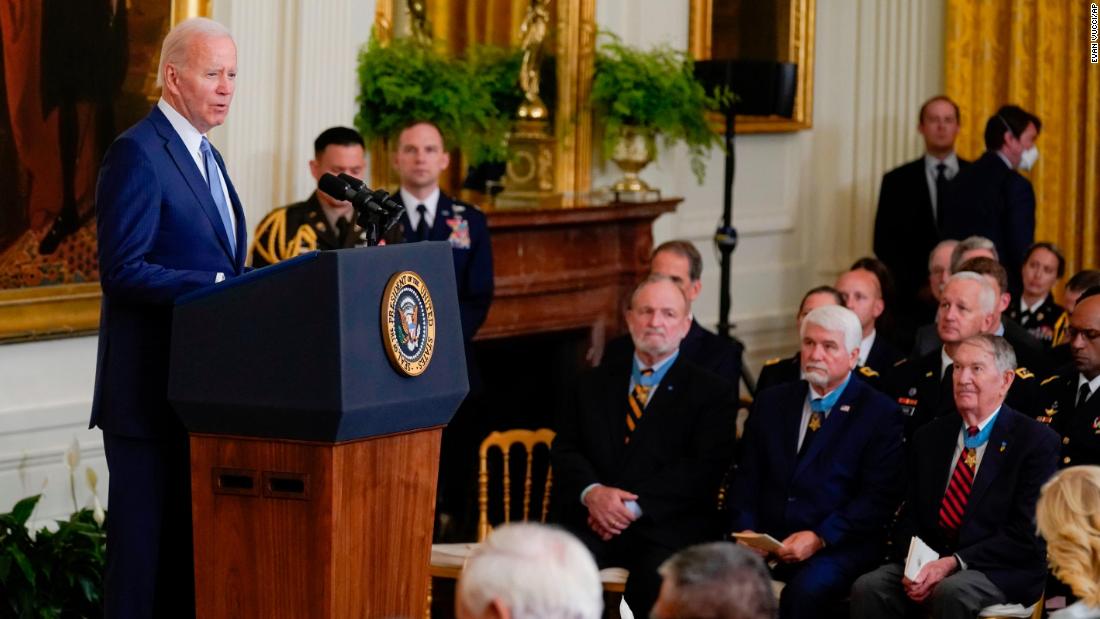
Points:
point(536, 571)
point(175, 47)
point(944, 243)
point(987, 295)
point(1004, 357)
point(836, 318)
point(968, 244)
point(719, 580)
point(654, 278)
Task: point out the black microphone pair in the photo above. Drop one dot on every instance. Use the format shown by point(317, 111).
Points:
point(347, 187)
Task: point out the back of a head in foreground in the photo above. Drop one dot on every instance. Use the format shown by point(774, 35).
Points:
point(530, 571)
point(719, 580)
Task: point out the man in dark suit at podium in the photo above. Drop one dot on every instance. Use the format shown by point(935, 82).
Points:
point(909, 206)
point(641, 449)
point(680, 261)
point(169, 222)
point(420, 157)
point(819, 464)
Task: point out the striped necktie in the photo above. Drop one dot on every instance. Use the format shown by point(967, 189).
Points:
point(637, 399)
point(953, 505)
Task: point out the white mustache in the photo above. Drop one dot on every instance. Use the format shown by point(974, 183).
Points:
point(816, 367)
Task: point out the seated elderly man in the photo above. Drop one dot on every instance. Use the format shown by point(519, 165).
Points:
point(819, 468)
point(789, 369)
point(529, 571)
point(641, 450)
point(973, 484)
point(718, 580)
point(923, 386)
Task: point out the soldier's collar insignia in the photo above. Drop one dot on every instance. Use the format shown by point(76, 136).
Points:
point(868, 372)
point(1024, 373)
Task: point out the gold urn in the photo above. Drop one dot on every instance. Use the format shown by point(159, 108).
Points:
point(633, 152)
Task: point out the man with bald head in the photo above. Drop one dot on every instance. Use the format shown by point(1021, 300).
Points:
point(1071, 404)
point(641, 449)
point(973, 481)
point(819, 464)
point(169, 222)
point(862, 293)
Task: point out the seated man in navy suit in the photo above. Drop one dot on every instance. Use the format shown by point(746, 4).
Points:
point(972, 487)
point(641, 450)
point(819, 467)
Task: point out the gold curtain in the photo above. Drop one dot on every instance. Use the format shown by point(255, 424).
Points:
point(457, 25)
point(1035, 54)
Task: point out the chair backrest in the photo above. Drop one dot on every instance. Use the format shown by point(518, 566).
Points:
point(504, 441)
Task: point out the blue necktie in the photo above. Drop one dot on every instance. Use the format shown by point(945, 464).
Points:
point(212, 179)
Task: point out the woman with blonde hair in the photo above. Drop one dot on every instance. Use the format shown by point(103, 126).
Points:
point(1068, 515)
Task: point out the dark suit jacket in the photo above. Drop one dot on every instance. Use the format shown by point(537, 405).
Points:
point(998, 535)
point(467, 230)
point(160, 236)
point(1079, 426)
point(994, 201)
point(710, 351)
point(674, 461)
point(905, 230)
point(883, 356)
point(844, 488)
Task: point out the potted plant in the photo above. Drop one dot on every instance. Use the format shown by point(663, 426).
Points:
point(639, 95)
point(406, 80)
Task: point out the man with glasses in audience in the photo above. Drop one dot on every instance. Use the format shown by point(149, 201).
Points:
point(1070, 403)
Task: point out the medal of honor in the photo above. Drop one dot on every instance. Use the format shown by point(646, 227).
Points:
point(971, 458)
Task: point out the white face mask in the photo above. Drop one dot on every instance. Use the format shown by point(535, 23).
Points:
point(1028, 158)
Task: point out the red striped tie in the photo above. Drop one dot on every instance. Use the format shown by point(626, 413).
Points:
point(958, 490)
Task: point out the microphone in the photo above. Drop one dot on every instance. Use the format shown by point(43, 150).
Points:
point(378, 196)
point(341, 190)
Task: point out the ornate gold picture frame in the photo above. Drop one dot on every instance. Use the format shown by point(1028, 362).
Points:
point(574, 36)
point(60, 106)
point(794, 24)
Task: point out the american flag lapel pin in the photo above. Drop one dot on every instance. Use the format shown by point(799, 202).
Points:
point(844, 408)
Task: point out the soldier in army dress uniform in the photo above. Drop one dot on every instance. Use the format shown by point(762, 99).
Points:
point(923, 385)
point(1070, 403)
point(1034, 309)
point(321, 221)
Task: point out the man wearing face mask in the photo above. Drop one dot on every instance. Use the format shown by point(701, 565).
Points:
point(991, 198)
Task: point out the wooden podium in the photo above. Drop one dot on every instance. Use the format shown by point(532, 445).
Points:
point(314, 460)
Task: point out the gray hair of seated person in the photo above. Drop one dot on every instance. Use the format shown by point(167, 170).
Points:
point(968, 244)
point(836, 318)
point(654, 278)
point(719, 580)
point(176, 46)
point(987, 295)
point(536, 571)
point(1004, 357)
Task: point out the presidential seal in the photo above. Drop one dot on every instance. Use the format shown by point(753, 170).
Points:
point(408, 323)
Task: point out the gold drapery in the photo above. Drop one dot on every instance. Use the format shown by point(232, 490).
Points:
point(458, 25)
point(1035, 54)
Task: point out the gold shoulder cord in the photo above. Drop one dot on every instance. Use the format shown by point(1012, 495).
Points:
point(271, 244)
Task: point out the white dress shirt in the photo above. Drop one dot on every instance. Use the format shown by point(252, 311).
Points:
point(411, 202)
point(192, 140)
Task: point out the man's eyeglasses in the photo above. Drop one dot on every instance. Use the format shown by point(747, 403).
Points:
point(1088, 334)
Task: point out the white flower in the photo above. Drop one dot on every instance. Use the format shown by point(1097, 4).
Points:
point(97, 511)
point(72, 455)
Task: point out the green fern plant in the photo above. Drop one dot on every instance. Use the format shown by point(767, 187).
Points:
point(656, 92)
point(405, 81)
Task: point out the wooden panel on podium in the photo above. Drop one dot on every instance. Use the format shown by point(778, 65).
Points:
point(297, 529)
